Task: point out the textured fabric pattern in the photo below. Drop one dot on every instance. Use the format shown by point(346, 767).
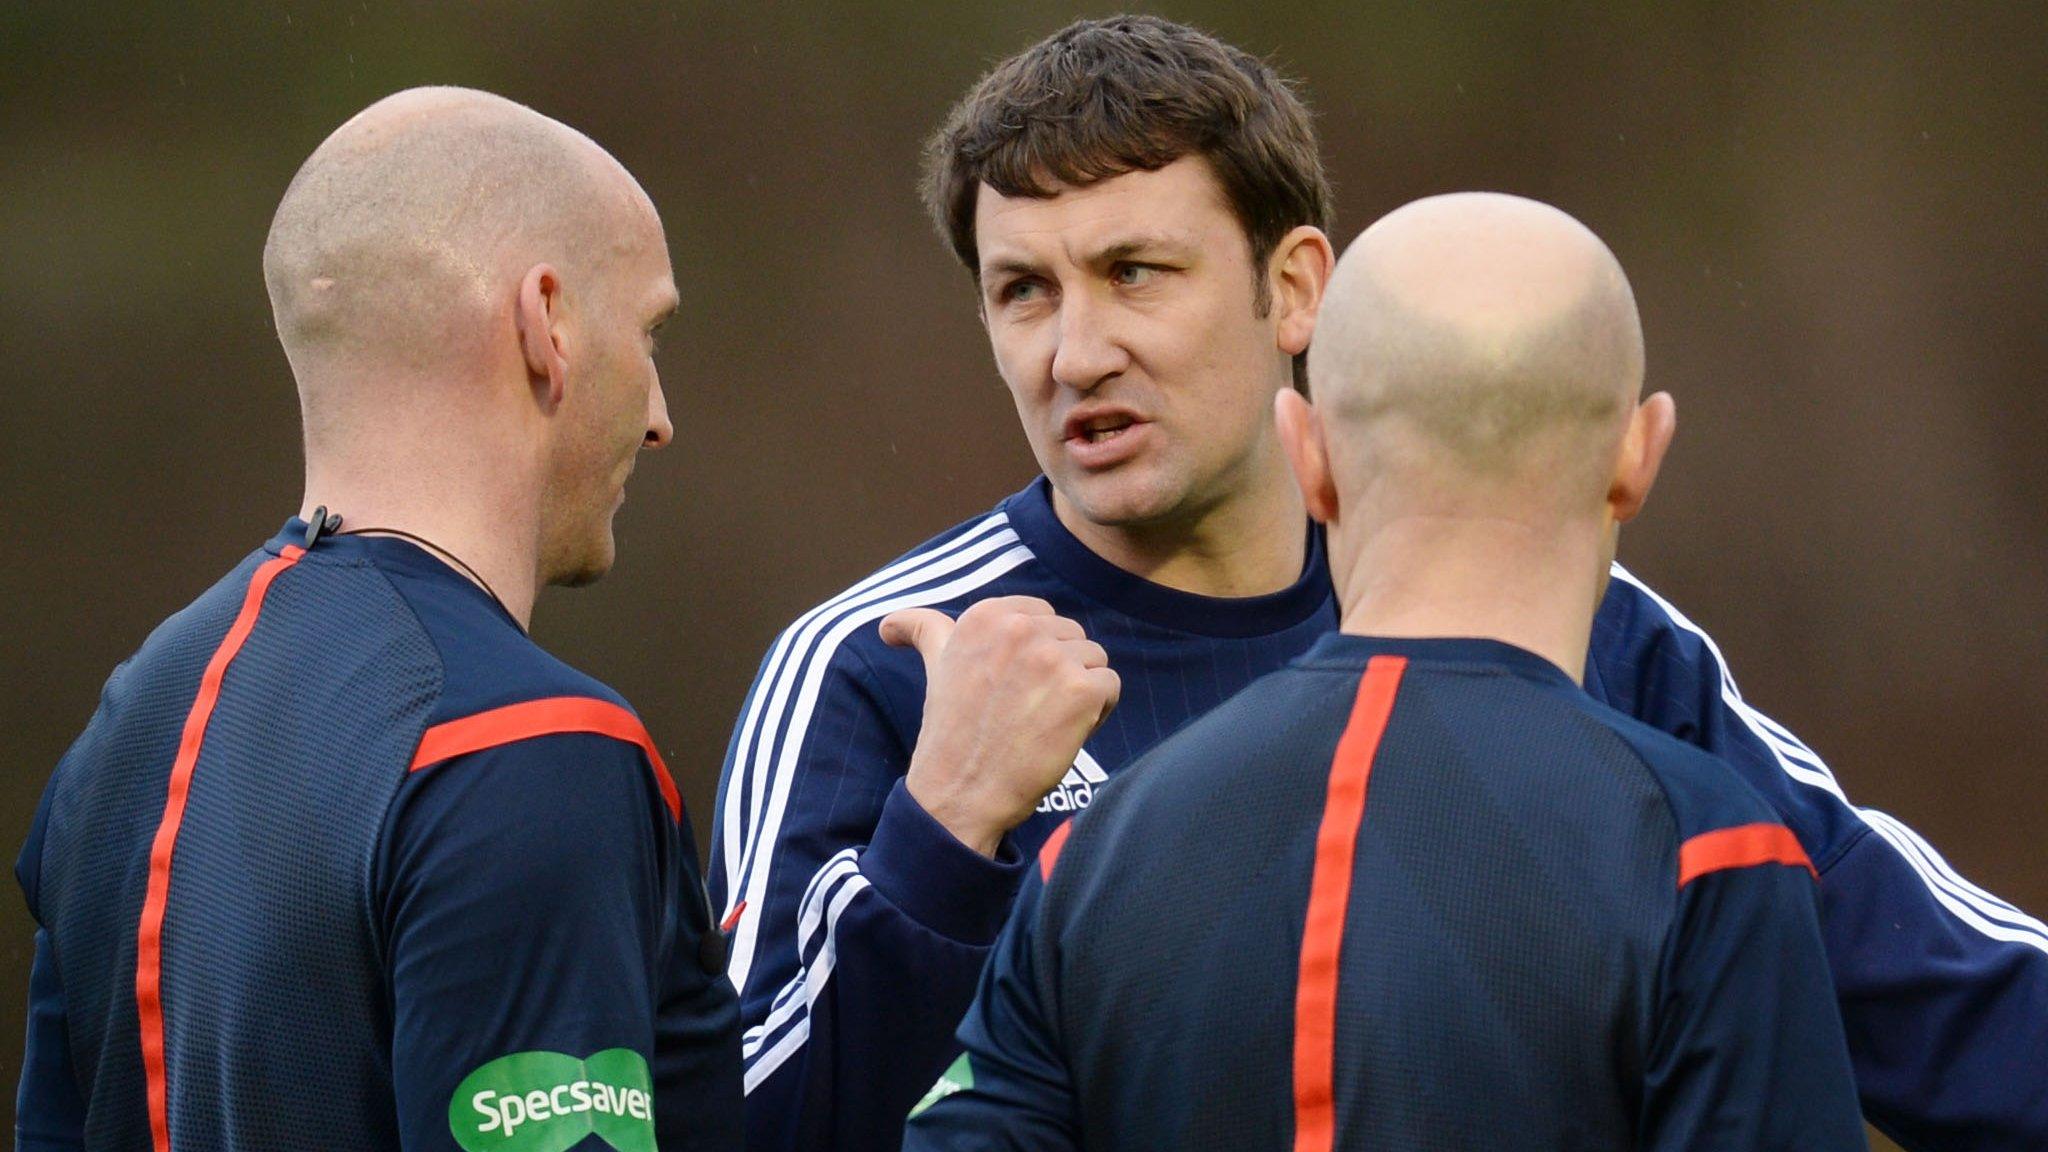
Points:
point(866, 925)
point(348, 937)
point(1520, 967)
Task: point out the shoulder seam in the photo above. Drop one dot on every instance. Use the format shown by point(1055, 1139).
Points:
point(440, 657)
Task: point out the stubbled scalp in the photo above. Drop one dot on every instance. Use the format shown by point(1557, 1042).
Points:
point(1478, 346)
point(406, 230)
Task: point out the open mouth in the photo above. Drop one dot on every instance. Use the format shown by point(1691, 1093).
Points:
point(1101, 429)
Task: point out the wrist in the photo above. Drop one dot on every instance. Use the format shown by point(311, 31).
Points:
point(920, 868)
point(957, 814)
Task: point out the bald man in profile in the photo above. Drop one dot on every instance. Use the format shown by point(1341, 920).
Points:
point(344, 859)
point(1418, 890)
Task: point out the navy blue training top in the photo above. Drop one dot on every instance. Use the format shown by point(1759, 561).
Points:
point(863, 925)
point(345, 860)
point(1417, 894)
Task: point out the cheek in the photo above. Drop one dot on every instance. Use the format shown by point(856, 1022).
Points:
point(1227, 379)
point(1025, 364)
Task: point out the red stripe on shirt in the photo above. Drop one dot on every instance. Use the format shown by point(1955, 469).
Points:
point(1051, 851)
point(552, 716)
point(1329, 897)
point(1741, 847)
point(149, 936)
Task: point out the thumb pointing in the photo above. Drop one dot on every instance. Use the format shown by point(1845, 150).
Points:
point(925, 629)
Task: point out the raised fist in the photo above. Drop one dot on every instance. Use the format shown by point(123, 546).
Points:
point(1011, 691)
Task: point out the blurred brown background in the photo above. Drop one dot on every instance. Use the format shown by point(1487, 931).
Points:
point(1834, 223)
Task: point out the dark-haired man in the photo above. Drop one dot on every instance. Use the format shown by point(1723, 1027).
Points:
point(1143, 211)
point(1489, 912)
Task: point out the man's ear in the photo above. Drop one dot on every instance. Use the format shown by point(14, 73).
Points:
point(539, 317)
point(1301, 437)
point(1298, 274)
point(1649, 434)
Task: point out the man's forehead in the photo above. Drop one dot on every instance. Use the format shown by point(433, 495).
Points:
point(1180, 204)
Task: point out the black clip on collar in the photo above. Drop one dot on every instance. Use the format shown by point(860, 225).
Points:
point(321, 525)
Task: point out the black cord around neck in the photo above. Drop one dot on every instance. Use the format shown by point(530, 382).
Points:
point(445, 554)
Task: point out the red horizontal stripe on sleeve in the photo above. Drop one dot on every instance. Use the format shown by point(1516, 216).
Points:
point(1744, 846)
point(1051, 852)
point(549, 717)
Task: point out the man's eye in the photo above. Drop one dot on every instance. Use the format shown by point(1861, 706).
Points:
point(1131, 275)
point(1018, 291)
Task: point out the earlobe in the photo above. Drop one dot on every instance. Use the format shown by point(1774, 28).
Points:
point(1302, 265)
point(540, 341)
point(1301, 436)
point(1650, 430)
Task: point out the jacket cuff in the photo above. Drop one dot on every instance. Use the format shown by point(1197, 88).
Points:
point(930, 876)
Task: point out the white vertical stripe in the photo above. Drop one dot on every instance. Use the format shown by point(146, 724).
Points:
point(810, 984)
point(809, 651)
point(778, 658)
point(811, 912)
point(768, 824)
point(832, 896)
point(1967, 902)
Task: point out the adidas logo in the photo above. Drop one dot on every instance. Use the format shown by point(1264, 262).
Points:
point(1077, 787)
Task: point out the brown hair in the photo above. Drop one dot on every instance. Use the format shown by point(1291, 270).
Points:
point(1100, 98)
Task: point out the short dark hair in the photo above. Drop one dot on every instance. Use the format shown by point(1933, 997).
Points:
point(1100, 98)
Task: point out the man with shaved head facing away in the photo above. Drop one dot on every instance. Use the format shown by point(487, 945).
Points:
point(1418, 890)
point(344, 859)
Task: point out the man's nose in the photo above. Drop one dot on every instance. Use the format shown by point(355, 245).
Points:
point(1090, 347)
point(659, 430)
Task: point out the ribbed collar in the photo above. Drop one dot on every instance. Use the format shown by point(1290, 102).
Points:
point(1031, 516)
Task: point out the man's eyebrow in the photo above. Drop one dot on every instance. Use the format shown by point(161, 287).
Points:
point(1138, 246)
point(1008, 266)
point(1145, 245)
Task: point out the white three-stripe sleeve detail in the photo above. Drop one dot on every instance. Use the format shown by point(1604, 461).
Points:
point(1815, 774)
point(808, 985)
point(774, 667)
point(835, 885)
point(768, 826)
point(811, 913)
point(1968, 903)
point(811, 651)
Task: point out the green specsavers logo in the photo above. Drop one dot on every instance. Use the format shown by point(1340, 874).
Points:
point(959, 1075)
point(546, 1102)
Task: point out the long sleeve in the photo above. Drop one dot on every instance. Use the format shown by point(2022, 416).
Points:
point(1943, 988)
point(1010, 1090)
point(860, 923)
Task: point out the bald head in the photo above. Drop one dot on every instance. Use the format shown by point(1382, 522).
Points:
point(406, 231)
point(1478, 345)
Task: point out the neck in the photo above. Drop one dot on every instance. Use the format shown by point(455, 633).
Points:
point(1535, 588)
point(467, 516)
point(1252, 544)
